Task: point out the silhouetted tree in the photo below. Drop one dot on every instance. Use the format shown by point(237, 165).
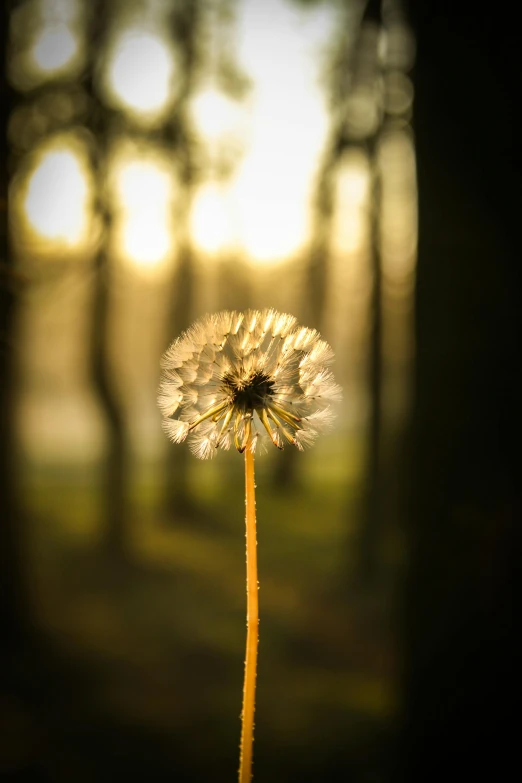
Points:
point(13, 597)
point(102, 370)
point(186, 19)
point(384, 440)
point(461, 652)
point(370, 522)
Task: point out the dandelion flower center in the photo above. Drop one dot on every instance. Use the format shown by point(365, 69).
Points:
point(250, 393)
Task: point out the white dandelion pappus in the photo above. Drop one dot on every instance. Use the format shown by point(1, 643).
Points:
point(233, 377)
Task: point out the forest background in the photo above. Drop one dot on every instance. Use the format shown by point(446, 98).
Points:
point(352, 163)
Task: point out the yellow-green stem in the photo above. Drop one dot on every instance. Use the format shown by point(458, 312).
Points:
point(249, 685)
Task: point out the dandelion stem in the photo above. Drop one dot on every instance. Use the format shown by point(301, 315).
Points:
point(249, 685)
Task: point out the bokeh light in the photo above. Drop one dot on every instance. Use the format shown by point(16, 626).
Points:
point(212, 224)
point(54, 48)
point(352, 199)
point(273, 217)
point(215, 114)
point(399, 209)
point(143, 191)
point(140, 74)
point(289, 121)
point(56, 194)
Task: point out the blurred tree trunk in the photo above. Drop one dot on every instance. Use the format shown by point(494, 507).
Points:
point(323, 208)
point(186, 25)
point(461, 655)
point(117, 457)
point(317, 273)
point(234, 284)
point(342, 80)
point(316, 287)
point(371, 518)
point(367, 76)
point(102, 369)
point(13, 598)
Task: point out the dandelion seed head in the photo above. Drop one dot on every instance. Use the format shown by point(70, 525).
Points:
point(247, 379)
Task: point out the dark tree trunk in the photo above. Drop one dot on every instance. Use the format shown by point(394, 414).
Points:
point(186, 19)
point(371, 517)
point(317, 279)
point(178, 499)
point(461, 660)
point(102, 369)
point(102, 373)
point(13, 599)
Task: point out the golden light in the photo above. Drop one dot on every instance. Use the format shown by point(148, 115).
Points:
point(146, 239)
point(211, 221)
point(214, 114)
point(352, 202)
point(56, 195)
point(399, 209)
point(142, 182)
point(355, 180)
point(141, 73)
point(143, 192)
point(288, 118)
point(272, 216)
point(54, 49)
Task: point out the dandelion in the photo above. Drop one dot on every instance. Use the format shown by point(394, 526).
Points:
point(247, 379)
point(235, 377)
